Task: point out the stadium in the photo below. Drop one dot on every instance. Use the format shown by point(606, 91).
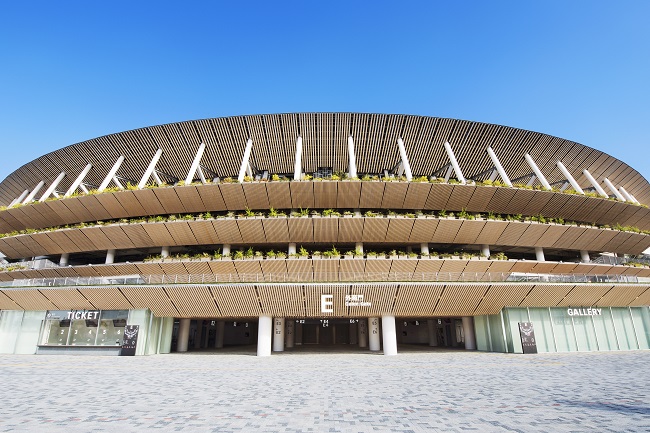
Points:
point(324, 231)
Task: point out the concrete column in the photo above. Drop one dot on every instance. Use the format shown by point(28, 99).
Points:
point(292, 248)
point(183, 335)
point(264, 335)
point(584, 256)
point(485, 250)
point(389, 335)
point(110, 257)
point(354, 336)
point(433, 334)
point(290, 333)
point(218, 340)
point(199, 334)
point(468, 330)
point(373, 334)
point(278, 334)
point(63, 261)
point(539, 254)
point(424, 249)
point(362, 327)
point(225, 249)
point(359, 247)
point(164, 252)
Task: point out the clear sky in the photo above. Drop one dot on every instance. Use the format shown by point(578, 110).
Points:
point(75, 70)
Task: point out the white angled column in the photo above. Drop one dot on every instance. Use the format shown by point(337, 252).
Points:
point(424, 249)
point(584, 256)
point(78, 181)
point(405, 160)
point(278, 334)
point(51, 190)
point(264, 335)
point(595, 184)
point(220, 332)
point(289, 337)
point(433, 335)
point(110, 257)
point(19, 199)
point(183, 335)
point(362, 328)
point(613, 189)
point(297, 166)
point(374, 341)
point(454, 163)
point(195, 165)
point(32, 194)
point(164, 252)
point(538, 172)
point(352, 166)
point(111, 174)
point(485, 250)
point(358, 247)
point(499, 167)
point(539, 254)
point(468, 330)
point(570, 178)
point(628, 196)
point(225, 250)
point(150, 169)
point(63, 261)
point(389, 335)
point(292, 248)
point(244, 161)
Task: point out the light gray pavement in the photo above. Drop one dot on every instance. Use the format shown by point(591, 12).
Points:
point(416, 391)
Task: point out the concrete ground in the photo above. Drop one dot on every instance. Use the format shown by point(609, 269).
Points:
point(416, 391)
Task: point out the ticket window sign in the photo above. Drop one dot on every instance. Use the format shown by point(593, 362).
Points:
point(84, 328)
point(527, 334)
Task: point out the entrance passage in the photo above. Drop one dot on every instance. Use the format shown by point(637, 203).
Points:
point(440, 332)
point(191, 335)
point(326, 332)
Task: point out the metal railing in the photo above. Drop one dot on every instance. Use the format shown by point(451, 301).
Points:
point(611, 260)
point(323, 277)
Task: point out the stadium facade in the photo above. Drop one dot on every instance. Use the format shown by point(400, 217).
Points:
point(289, 231)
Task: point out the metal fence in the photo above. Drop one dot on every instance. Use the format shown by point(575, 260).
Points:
point(323, 277)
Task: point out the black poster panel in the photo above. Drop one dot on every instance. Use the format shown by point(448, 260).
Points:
point(527, 334)
point(130, 340)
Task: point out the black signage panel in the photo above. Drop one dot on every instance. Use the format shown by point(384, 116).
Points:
point(130, 340)
point(527, 334)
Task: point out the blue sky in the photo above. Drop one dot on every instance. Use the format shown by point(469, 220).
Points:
point(75, 70)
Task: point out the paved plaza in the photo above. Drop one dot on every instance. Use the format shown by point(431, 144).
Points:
point(416, 391)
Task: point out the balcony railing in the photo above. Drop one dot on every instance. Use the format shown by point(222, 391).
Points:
point(322, 277)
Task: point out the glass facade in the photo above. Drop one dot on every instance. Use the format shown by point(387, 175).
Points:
point(567, 329)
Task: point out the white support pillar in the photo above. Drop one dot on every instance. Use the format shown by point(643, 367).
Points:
point(627, 195)
point(19, 199)
point(199, 333)
point(454, 163)
point(485, 250)
point(389, 335)
point(468, 330)
point(362, 328)
point(612, 188)
point(195, 165)
point(164, 252)
point(63, 261)
point(264, 335)
point(220, 331)
point(32, 194)
point(424, 249)
point(570, 178)
point(278, 334)
point(539, 254)
point(352, 166)
point(150, 169)
point(183, 335)
point(51, 189)
point(225, 250)
point(499, 167)
point(78, 181)
point(292, 248)
point(595, 184)
point(538, 172)
point(244, 161)
point(297, 167)
point(110, 257)
point(433, 334)
point(405, 160)
point(373, 334)
point(289, 333)
point(584, 256)
point(358, 247)
point(111, 174)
